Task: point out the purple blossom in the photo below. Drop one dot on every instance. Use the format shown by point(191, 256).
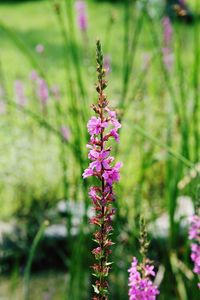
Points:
point(195, 256)
point(93, 141)
point(140, 286)
point(194, 234)
point(39, 48)
point(194, 230)
point(87, 173)
point(93, 193)
point(33, 75)
point(99, 160)
point(167, 39)
point(114, 120)
point(95, 125)
point(19, 93)
point(65, 132)
point(112, 175)
point(167, 31)
point(43, 91)
point(81, 15)
point(149, 270)
point(115, 134)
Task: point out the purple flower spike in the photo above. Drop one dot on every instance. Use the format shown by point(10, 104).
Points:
point(33, 75)
point(65, 133)
point(102, 128)
point(43, 91)
point(19, 93)
point(81, 15)
point(167, 28)
point(167, 39)
point(194, 235)
point(194, 230)
point(140, 285)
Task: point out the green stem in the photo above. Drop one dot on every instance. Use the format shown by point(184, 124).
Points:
point(32, 252)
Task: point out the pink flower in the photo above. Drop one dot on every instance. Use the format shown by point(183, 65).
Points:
point(100, 160)
point(194, 234)
point(112, 114)
point(81, 15)
point(88, 172)
point(39, 48)
point(33, 75)
point(113, 174)
point(167, 38)
point(194, 230)
point(95, 125)
point(195, 256)
point(65, 132)
point(149, 270)
point(141, 288)
point(19, 93)
point(43, 91)
point(114, 134)
point(167, 31)
point(114, 120)
point(93, 194)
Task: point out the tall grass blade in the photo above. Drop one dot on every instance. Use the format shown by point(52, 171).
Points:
point(32, 253)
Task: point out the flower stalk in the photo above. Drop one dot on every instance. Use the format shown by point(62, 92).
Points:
point(101, 129)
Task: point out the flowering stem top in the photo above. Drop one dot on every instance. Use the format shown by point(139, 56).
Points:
point(194, 235)
point(101, 128)
point(140, 283)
